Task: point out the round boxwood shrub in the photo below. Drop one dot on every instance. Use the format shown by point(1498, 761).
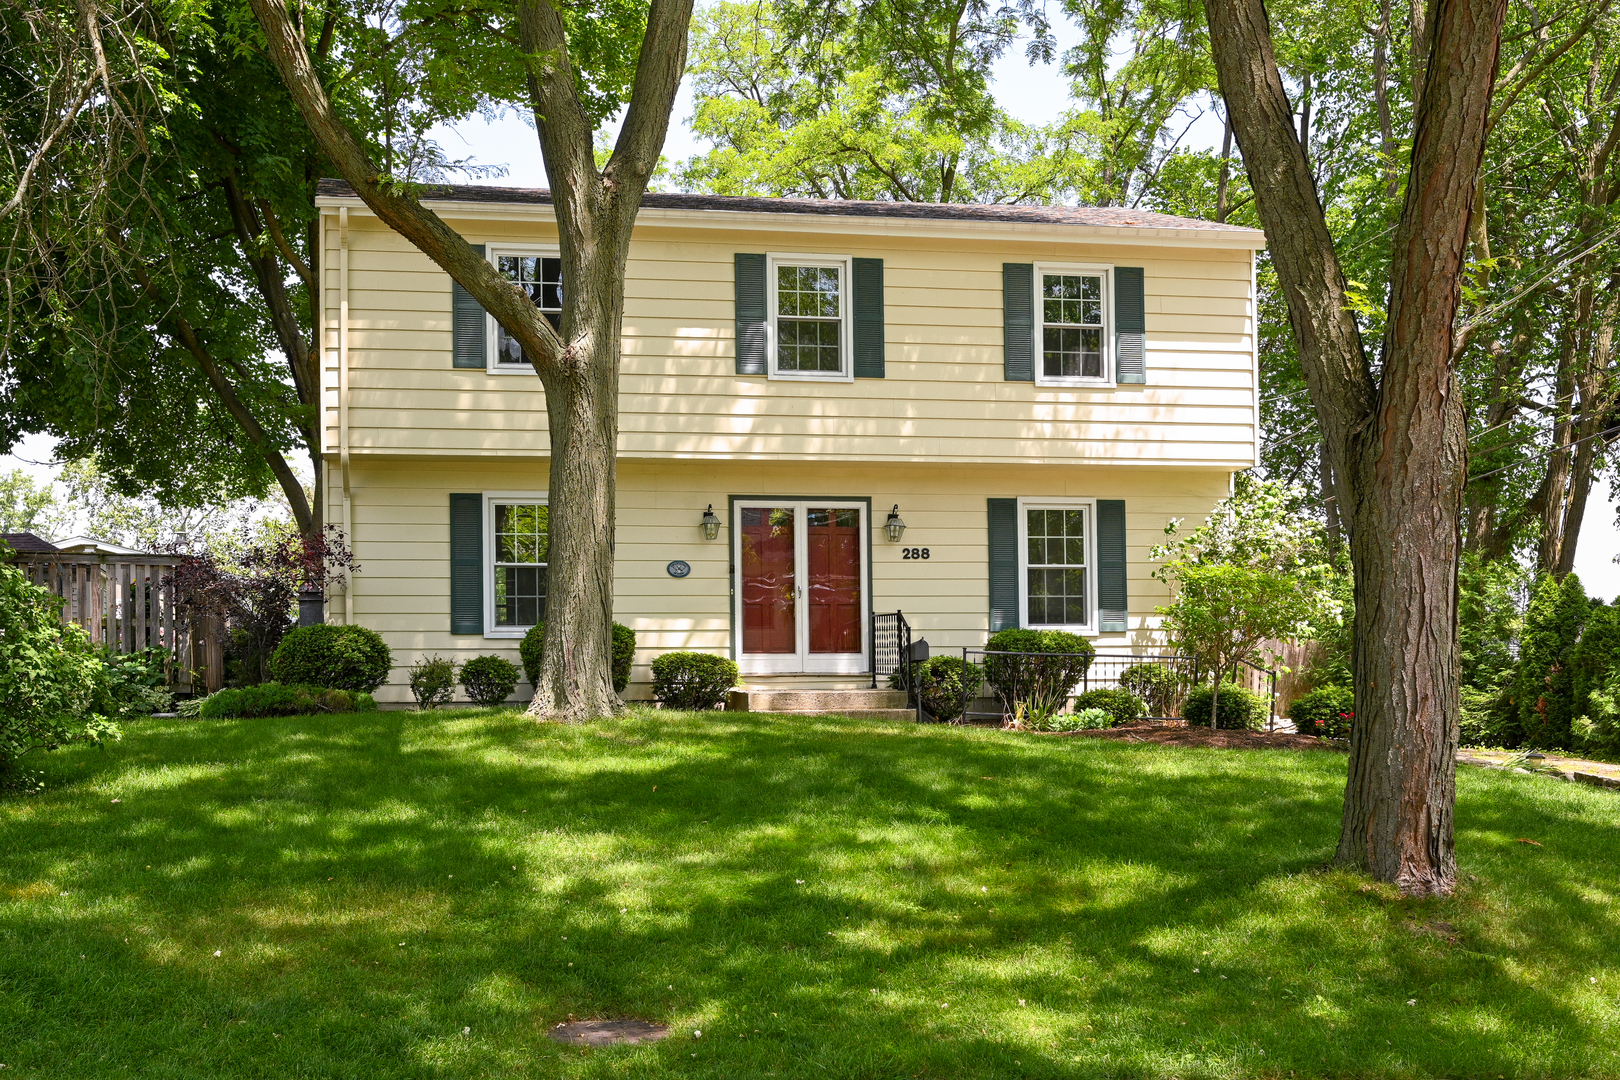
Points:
point(948, 685)
point(692, 680)
point(1240, 709)
point(1318, 712)
point(340, 657)
point(1045, 667)
point(489, 680)
point(1121, 705)
point(624, 651)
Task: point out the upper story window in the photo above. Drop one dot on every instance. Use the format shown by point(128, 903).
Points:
point(810, 331)
point(538, 272)
point(1074, 328)
point(519, 550)
point(1057, 563)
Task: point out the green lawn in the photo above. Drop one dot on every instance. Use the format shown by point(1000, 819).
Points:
point(397, 895)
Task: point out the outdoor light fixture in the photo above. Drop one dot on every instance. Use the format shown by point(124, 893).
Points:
point(894, 528)
point(711, 524)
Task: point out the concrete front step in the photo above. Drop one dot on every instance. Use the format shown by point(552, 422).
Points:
point(851, 702)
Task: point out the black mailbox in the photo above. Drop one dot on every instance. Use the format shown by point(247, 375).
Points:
point(918, 650)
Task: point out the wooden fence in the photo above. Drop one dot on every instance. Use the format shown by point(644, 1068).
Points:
point(124, 604)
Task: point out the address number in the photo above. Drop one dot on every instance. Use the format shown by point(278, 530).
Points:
point(914, 553)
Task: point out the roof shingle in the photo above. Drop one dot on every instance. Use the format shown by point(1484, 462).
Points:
point(1105, 216)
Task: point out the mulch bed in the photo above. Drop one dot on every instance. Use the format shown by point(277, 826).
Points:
point(1172, 733)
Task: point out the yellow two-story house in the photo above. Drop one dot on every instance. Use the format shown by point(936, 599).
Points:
point(979, 416)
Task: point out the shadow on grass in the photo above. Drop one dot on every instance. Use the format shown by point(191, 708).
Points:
point(400, 895)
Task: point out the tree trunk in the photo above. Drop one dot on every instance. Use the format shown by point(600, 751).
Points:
point(579, 369)
point(1397, 443)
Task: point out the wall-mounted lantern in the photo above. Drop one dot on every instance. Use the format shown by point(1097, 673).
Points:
point(711, 523)
point(894, 528)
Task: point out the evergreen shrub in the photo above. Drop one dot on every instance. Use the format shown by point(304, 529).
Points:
point(1241, 709)
point(624, 651)
point(948, 685)
point(279, 699)
point(342, 657)
point(1543, 686)
point(489, 680)
point(1039, 680)
point(1121, 705)
point(692, 680)
point(433, 681)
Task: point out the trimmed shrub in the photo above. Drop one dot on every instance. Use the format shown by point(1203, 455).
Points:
point(624, 651)
point(278, 699)
point(343, 657)
point(948, 685)
point(1036, 685)
point(1241, 710)
point(692, 680)
point(433, 681)
point(1157, 686)
point(1317, 713)
point(489, 680)
point(1121, 705)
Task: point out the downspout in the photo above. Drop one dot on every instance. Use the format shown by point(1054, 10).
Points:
point(343, 398)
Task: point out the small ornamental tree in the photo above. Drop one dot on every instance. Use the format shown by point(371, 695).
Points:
point(1256, 572)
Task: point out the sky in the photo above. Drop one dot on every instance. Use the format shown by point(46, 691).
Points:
point(1036, 94)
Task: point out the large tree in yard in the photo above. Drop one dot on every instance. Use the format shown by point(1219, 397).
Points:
point(595, 208)
point(1393, 422)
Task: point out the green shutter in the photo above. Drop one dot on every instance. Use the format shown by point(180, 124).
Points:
point(1018, 321)
point(868, 318)
point(1113, 604)
point(467, 564)
point(467, 326)
point(1003, 564)
point(751, 294)
point(1130, 326)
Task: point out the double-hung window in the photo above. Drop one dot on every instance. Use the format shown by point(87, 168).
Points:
point(538, 272)
point(1073, 304)
point(518, 550)
point(1057, 553)
point(809, 316)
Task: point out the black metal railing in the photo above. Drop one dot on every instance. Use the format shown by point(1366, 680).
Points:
point(1164, 690)
point(891, 644)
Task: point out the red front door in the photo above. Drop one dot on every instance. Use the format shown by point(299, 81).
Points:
point(833, 540)
point(801, 584)
point(769, 580)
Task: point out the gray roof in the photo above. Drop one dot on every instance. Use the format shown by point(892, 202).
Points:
point(1106, 216)
point(26, 541)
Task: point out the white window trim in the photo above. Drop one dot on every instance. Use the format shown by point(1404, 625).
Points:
point(846, 302)
point(491, 631)
point(1107, 272)
point(492, 329)
point(1090, 507)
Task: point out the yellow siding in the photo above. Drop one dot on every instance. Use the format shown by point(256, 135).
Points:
point(943, 400)
point(400, 513)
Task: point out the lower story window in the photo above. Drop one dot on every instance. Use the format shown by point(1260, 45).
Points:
point(1056, 566)
point(522, 548)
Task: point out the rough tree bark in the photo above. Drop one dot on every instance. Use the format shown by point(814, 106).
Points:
point(579, 368)
point(1397, 440)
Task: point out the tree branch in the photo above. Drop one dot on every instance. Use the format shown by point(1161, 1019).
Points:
point(392, 201)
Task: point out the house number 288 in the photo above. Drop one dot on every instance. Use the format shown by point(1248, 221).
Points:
point(914, 553)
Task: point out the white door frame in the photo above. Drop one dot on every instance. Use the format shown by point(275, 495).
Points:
point(802, 661)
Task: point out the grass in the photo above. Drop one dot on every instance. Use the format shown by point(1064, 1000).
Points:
point(400, 895)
